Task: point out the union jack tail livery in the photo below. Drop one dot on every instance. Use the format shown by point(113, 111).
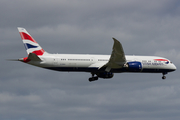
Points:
point(30, 44)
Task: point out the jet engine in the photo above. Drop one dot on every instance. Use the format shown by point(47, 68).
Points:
point(134, 66)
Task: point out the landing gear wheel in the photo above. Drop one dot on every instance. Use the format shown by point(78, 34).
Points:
point(93, 79)
point(163, 77)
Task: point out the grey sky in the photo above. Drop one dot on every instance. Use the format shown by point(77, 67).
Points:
point(87, 27)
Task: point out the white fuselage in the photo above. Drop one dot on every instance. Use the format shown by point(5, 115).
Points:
point(92, 63)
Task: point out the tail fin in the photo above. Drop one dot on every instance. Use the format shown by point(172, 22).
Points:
point(30, 44)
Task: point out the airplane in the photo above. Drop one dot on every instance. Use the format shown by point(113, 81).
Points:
point(100, 66)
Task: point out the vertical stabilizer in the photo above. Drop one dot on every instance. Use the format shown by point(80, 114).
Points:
point(30, 44)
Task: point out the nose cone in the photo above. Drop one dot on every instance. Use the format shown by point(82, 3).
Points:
point(173, 67)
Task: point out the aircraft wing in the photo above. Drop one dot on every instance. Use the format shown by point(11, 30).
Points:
point(117, 59)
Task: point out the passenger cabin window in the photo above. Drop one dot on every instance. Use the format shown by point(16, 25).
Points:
point(79, 59)
point(102, 60)
point(63, 59)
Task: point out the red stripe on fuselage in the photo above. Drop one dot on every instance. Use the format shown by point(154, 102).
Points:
point(160, 60)
point(25, 36)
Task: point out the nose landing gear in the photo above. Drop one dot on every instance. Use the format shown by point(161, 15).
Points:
point(164, 77)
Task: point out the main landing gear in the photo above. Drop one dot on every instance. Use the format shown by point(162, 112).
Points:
point(164, 77)
point(93, 78)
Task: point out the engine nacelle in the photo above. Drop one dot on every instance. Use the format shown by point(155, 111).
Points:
point(134, 66)
point(105, 75)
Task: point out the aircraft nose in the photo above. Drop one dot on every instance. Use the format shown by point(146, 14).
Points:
point(173, 67)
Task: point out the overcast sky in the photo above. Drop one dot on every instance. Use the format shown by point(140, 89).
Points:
point(150, 27)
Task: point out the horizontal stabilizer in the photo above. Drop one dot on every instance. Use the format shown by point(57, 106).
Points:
point(33, 57)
